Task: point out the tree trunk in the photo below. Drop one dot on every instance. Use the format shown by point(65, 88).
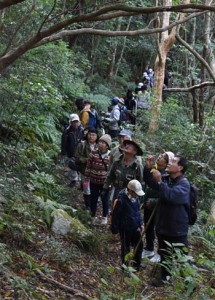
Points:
point(95, 43)
point(195, 105)
point(123, 48)
point(164, 43)
point(211, 217)
point(203, 72)
point(192, 63)
point(114, 52)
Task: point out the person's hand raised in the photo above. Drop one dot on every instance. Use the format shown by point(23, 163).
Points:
point(157, 175)
point(149, 161)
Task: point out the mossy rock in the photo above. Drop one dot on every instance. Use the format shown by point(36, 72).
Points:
point(64, 224)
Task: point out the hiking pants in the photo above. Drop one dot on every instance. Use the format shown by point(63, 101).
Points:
point(113, 133)
point(130, 239)
point(166, 252)
point(96, 190)
point(150, 233)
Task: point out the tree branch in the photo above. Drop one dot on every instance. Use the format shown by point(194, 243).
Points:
point(61, 285)
point(197, 55)
point(8, 3)
point(190, 89)
point(11, 56)
point(65, 33)
point(188, 8)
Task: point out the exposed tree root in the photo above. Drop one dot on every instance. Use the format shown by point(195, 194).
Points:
point(61, 286)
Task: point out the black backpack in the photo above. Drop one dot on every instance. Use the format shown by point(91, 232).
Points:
point(192, 213)
point(193, 204)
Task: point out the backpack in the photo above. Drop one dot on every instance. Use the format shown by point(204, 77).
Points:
point(193, 204)
point(192, 213)
point(92, 119)
point(122, 116)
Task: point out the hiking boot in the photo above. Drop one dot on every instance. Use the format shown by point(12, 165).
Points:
point(104, 221)
point(159, 282)
point(147, 253)
point(156, 258)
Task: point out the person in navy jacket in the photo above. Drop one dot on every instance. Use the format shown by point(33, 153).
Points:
point(173, 208)
point(127, 221)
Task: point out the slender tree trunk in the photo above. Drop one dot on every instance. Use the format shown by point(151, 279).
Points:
point(95, 43)
point(123, 48)
point(114, 52)
point(203, 72)
point(195, 104)
point(63, 8)
point(186, 61)
point(112, 62)
point(164, 43)
point(192, 63)
point(211, 217)
point(77, 8)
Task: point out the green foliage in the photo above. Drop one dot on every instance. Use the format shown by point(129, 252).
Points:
point(100, 101)
point(126, 287)
point(186, 276)
point(45, 186)
point(179, 135)
point(204, 236)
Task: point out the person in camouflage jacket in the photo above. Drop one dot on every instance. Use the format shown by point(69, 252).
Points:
point(126, 168)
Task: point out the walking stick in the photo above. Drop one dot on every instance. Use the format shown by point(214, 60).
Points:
point(145, 229)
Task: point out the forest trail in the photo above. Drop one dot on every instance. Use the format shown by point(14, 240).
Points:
point(91, 274)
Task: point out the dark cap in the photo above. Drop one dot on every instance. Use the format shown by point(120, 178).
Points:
point(136, 144)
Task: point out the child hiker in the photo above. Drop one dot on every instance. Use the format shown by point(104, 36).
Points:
point(127, 221)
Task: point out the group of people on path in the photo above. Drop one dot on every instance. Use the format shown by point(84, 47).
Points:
point(117, 176)
point(121, 110)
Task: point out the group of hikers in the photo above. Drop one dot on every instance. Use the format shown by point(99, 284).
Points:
point(121, 110)
point(126, 186)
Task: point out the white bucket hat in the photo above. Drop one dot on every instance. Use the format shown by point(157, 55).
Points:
point(135, 186)
point(74, 117)
point(170, 156)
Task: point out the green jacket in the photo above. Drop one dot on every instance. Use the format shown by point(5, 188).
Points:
point(119, 175)
point(82, 154)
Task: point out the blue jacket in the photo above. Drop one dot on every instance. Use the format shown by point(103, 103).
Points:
point(126, 214)
point(173, 208)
